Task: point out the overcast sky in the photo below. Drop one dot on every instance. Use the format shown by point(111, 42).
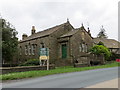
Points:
point(43, 14)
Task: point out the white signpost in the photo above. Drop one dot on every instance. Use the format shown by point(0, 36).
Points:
point(44, 55)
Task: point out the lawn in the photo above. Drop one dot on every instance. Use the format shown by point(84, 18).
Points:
point(29, 74)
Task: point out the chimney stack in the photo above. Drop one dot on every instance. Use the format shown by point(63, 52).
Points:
point(24, 36)
point(33, 30)
point(89, 31)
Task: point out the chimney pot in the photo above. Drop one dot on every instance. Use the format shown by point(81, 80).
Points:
point(33, 30)
point(33, 27)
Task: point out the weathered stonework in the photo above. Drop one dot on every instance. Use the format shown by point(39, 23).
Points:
point(6, 70)
point(66, 45)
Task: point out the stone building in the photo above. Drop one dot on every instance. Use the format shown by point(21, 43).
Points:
point(77, 43)
point(66, 44)
point(113, 45)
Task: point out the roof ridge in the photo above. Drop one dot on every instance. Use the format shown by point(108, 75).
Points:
point(45, 32)
point(52, 27)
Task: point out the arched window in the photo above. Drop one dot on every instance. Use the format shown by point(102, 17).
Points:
point(26, 49)
point(29, 48)
point(83, 47)
point(33, 49)
point(80, 48)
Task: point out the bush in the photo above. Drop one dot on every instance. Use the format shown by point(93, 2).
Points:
point(115, 56)
point(101, 43)
point(30, 62)
point(9, 65)
point(100, 49)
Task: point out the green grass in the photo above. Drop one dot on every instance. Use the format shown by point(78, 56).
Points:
point(29, 74)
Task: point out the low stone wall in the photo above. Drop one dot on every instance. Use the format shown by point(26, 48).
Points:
point(63, 62)
point(81, 65)
point(6, 70)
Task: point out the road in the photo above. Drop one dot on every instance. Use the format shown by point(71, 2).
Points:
point(68, 80)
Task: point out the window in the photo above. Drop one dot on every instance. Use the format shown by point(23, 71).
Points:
point(33, 49)
point(64, 51)
point(83, 47)
point(42, 45)
point(26, 49)
point(29, 48)
point(110, 50)
point(80, 48)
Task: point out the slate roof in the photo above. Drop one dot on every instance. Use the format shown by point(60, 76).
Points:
point(109, 43)
point(73, 32)
point(70, 33)
point(44, 32)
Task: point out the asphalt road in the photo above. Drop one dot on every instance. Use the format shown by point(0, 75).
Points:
point(68, 80)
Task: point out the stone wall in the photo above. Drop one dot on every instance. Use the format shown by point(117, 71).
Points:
point(90, 60)
point(6, 70)
point(97, 58)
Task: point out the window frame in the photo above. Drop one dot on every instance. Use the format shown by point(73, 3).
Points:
point(29, 49)
point(33, 49)
point(26, 49)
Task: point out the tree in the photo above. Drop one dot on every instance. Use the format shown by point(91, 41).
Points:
point(102, 33)
point(9, 41)
point(100, 43)
point(100, 49)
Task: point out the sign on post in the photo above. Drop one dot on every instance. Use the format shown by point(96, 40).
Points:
point(44, 55)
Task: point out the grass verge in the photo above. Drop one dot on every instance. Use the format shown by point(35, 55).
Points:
point(29, 74)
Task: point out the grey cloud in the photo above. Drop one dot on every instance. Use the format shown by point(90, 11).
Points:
point(47, 14)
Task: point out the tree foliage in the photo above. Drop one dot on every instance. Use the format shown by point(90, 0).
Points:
point(100, 43)
point(100, 49)
point(102, 33)
point(9, 41)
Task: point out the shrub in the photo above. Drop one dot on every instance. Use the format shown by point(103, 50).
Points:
point(30, 62)
point(101, 43)
point(114, 56)
point(100, 49)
